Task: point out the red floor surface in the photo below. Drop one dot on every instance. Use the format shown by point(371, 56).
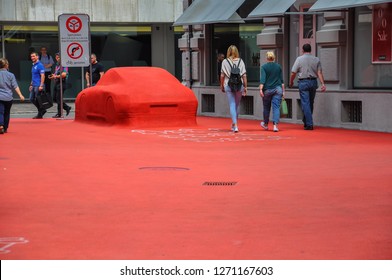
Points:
point(78, 191)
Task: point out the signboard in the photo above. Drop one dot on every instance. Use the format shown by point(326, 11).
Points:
point(382, 33)
point(74, 37)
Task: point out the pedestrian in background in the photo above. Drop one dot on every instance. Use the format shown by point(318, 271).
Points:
point(97, 71)
point(47, 60)
point(271, 90)
point(8, 85)
point(60, 74)
point(219, 58)
point(233, 95)
point(37, 85)
point(308, 68)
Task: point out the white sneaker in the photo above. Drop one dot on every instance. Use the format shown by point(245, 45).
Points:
point(235, 129)
point(276, 128)
point(263, 125)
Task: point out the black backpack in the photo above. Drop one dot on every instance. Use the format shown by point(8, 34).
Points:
point(235, 81)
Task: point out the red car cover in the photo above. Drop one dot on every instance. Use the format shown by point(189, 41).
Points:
point(138, 97)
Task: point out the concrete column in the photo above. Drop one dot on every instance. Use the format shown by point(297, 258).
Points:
point(184, 46)
point(162, 44)
point(331, 40)
point(271, 39)
point(197, 47)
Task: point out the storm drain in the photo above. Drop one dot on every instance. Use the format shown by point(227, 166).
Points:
point(164, 168)
point(218, 184)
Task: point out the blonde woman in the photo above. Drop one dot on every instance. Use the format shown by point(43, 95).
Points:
point(233, 95)
point(271, 90)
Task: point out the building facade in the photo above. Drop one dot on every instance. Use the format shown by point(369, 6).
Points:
point(123, 33)
point(351, 37)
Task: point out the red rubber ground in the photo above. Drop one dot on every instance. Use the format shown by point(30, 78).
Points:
point(79, 191)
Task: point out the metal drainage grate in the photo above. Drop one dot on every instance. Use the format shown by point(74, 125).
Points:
point(219, 184)
point(164, 168)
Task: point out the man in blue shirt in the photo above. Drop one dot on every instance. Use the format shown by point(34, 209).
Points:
point(37, 83)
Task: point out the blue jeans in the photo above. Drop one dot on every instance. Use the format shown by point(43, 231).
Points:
point(307, 92)
point(5, 112)
point(234, 99)
point(272, 97)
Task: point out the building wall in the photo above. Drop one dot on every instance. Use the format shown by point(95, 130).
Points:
point(344, 105)
point(123, 33)
point(130, 11)
point(331, 108)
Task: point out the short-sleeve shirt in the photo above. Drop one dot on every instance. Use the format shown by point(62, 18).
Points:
point(226, 68)
point(271, 75)
point(306, 66)
point(97, 68)
point(59, 70)
point(36, 71)
point(7, 85)
point(47, 59)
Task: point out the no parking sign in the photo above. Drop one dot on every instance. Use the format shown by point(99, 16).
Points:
point(74, 36)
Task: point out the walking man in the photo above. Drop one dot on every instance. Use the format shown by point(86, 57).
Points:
point(97, 71)
point(308, 68)
point(37, 85)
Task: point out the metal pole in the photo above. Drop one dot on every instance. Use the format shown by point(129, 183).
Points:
point(2, 41)
point(82, 77)
point(61, 92)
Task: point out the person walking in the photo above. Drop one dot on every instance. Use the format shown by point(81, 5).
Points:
point(271, 90)
point(8, 84)
point(97, 71)
point(60, 74)
point(219, 58)
point(47, 60)
point(234, 92)
point(37, 85)
point(308, 68)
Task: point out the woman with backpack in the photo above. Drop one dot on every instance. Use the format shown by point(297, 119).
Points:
point(233, 82)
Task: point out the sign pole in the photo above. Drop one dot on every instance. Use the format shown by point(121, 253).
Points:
point(74, 42)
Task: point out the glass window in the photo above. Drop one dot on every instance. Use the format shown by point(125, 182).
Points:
point(244, 37)
point(113, 45)
point(178, 32)
point(367, 74)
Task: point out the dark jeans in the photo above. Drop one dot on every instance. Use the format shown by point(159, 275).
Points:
point(33, 98)
point(58, 98)
point(307, 92)
point(5, 112)
point(47, 82)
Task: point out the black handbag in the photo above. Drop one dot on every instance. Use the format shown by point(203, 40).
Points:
point(44, 100)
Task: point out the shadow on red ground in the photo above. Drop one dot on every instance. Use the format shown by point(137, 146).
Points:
point(76, 191)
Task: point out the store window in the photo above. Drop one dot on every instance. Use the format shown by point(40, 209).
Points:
point(366, 73)
point(244, 37)
point(114, 46)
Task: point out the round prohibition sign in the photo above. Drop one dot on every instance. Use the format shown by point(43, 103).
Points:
point(73, 24)
point(75, 50)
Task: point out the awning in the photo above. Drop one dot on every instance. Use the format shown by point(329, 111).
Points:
point(268, 8)
point(211, 11)
point(324, 5)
